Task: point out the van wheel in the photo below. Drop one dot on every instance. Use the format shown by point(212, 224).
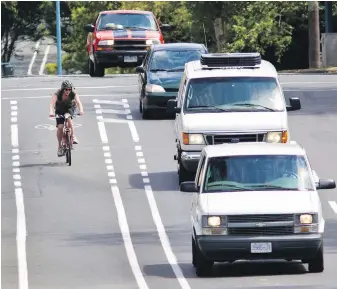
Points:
point(316, 265)
point(203, 267)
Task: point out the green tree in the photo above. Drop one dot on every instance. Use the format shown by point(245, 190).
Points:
point(19, 18)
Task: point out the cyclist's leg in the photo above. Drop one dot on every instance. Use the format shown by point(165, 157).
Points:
point(59, 134)
point(74, 138)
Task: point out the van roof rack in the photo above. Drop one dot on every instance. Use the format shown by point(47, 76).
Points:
point(230, 60)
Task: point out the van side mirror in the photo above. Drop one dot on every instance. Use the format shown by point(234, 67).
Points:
point(295, 104)
point(188, 187)
point(171, 107)
point(140, 69)
point(89, 28)
point(326, 185)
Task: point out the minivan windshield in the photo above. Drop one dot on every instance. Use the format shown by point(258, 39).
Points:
point(257, 173)
point(127, 20)
point(234, 94)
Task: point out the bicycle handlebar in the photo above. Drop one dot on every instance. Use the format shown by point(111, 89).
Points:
point(63, 116)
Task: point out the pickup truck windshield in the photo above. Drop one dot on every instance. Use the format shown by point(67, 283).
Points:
point(127, 21)
point(234, 94)
point(257, 173)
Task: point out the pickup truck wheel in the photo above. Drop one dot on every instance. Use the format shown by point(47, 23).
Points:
point(203, 267)
point(91, 68)
point(316, 265)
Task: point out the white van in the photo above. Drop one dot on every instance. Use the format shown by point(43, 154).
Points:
point(227, 98)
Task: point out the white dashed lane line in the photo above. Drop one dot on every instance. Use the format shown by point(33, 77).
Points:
point(21, 231)
point(122, 219)
point(333, 205)
point(165, 242)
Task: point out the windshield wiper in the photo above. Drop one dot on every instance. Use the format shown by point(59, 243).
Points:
point(230, 186)
point(253, 105)
point(176, 69)
point(155, 70)
point(136, 27)
point(273, 187)
point(210, 107)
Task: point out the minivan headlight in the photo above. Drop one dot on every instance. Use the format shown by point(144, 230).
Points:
point(276, 137)
point(214, 225)
point(306, 223)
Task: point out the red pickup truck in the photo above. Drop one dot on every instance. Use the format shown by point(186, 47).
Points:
point(121, 38)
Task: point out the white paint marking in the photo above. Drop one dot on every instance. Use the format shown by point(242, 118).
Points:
point(139, 154)
point(129, 116)
point(106, 148)
point(141, 161)
point(14, 113)
point(102, 132)
point(15, 157)
point(98, 111)
point(44, 60)
point(108, 161)
point(126, 105)
point(15, 135)
point(16, 170)
point(134, 132)
point(29, 72)
point(14, 119)
point(100, 118)
point(146, 180)
point(14, 107)
point(77, 87)
point(116, 111)
point(127, 111)
point(125, 100)
point(48, 96)
point(113, 181)
point(13, 102)
point(108, 102)
point(122, 220)
point(110, 168)
point(107, 155)
point(16, 164)
point(111, 174)
point(21, 234)
point(333, 205)
point(144, 174)
point(97, 106)
point(15, 151)
point(142, 167)
point(17, 183)
point(138, 148)
point(17, 177)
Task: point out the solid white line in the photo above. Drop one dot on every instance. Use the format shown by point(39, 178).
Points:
point(15, 135)
point(102, 132)
point(333, 205)
point(21, 239)
point(112, 120)
point(44, 60)
point(77, 87)
point(116, 111)
point(49, 96)
point(134, 132)
point(108, 102)
point(29, 72)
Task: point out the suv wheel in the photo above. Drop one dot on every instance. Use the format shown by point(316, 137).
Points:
point(203, 267)
point(316, 265)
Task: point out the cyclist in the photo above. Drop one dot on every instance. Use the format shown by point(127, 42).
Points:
point(65, 100)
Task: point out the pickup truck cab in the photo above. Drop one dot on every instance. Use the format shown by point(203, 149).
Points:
point(227, 98)
point(121, 38)
point(256, 201)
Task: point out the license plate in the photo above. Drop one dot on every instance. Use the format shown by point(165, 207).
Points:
point(130, 58)
point(260, 247)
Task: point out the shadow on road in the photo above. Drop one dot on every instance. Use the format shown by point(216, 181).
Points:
point(161, 181)
point(51, 164)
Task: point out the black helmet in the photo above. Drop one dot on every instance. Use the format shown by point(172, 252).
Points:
point(67, 84)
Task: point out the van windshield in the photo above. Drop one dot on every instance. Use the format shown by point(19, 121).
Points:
point(258, 173)
point(234, 94)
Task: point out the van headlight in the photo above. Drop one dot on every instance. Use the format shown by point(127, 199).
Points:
point(276, 137)
point(214, 225)
point(306, 223)
point(193, 139)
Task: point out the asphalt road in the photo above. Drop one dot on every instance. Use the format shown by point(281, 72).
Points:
point(104, 222)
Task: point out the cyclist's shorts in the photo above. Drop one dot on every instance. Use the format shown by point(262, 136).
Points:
point(61, 120)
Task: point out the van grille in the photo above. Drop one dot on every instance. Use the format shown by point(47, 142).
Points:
point(229, 138)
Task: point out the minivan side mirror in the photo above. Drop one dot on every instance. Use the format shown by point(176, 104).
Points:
point(295, 104)
point(188, 187)
point(165, 27)
point(326, 185)
point(89, 28)
point(172, 107)
point(140, 69)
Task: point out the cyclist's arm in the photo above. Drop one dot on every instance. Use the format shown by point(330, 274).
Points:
point(52, 104)
point(78, 103)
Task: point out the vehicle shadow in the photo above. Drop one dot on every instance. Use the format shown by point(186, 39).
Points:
point(50, 164)
point(161, 181)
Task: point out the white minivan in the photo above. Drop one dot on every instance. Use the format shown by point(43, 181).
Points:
point(227, 98)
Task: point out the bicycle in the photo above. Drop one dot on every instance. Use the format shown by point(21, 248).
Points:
point(67, 141)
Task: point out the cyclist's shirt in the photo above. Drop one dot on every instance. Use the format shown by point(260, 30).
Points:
point(63, 106)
